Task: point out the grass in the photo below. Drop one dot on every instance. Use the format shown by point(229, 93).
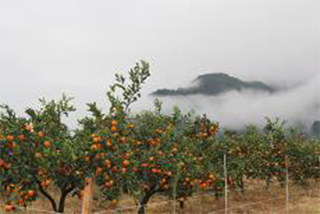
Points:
point(256, 200)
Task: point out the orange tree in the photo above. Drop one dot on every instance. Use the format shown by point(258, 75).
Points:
point(304, 157)
point(247, 156)
point(150, 152)
point(37, 151)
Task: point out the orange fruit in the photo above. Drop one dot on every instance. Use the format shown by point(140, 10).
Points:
point(114, 202)
point(114, 123)
point(31, 193)
point(87, 158)
point(159, 131)
point(41, 134)
point(7, 166)
point(123, 139)
point(9, 208)
point(21, 137)
point(47, 144)
point(10, 138)
point(94, 147)
point(43, 184)
point(2, 162)
point(125, 163)
point(98, 171)
point(107, 163)
point(96, 139)
point(135, 169)
point(144, 165)
point(124, 170)
point(113, 128)
point(29, 127)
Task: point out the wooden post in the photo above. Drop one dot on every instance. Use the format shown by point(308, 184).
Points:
point(287, 183)
point(225, 183)
point(87, 197)
point(176, 179)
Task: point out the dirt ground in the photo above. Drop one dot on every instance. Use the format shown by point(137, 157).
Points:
point(256, 200)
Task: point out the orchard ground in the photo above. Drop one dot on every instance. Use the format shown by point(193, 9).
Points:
point(257, 199)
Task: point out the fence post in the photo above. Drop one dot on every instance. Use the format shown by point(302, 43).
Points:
point(225, 183)
point(87, 197)
point(176, 180)
point(287, 183)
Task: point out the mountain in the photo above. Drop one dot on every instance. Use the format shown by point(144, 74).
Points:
point(215, 84)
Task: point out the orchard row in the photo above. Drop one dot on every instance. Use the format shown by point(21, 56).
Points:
point(141, 155)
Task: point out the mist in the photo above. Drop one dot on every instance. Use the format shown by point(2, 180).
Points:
point(75, 47)
point(298, 106)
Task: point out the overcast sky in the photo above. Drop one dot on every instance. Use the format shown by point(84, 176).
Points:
point(50, 47)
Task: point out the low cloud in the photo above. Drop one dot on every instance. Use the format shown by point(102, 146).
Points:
point(299, 106)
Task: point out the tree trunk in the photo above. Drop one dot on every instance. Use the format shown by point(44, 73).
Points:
point(64, 194)
point(268, 182)
point(181, 204)
point(241, 185)
point(145, 200)
point(49, 197)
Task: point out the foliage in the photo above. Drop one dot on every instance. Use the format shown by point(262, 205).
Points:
point(141, 155)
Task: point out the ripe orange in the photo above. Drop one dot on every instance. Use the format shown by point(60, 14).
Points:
point(98, 156)
point(29, 127)
point(115, 169)
point(41, 134)
point(159, 131)
point(125, 163)
point(124, 170)
point(21, 201)
point(94, 147)
point(114, 202)
point(11, 145)
point(114, 123)
point(153, 143)
point(10, 138)
point(31, 193)
point(107, 163)
point(122, 139)
point(43, 184)
point(98, 171)
point(7, 165)
point(96, 139)
point(21, 137)
point(131, 126)
point(113, 128)
point(166, 186)
point(2, 162)
point(87, 158)
point(9, 208)
point(144, 165)
point(108, 184)
point(47, 144)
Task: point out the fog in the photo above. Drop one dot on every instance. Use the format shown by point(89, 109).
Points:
point(298, 106)
point(50, 47)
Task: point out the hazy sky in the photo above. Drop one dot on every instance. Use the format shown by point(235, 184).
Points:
point(50, 47)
